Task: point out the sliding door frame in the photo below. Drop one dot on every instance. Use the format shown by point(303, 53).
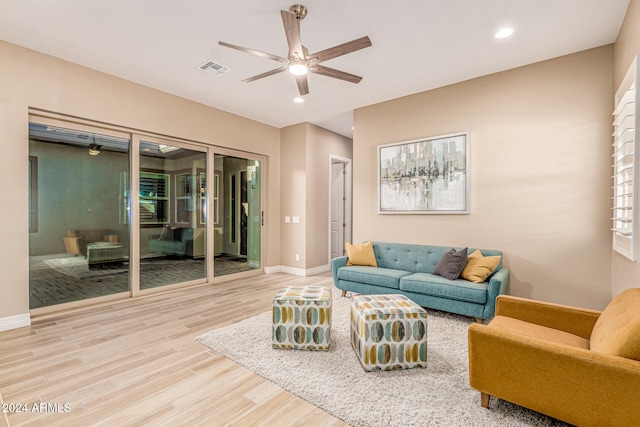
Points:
point(135, 136)
point(263, 199)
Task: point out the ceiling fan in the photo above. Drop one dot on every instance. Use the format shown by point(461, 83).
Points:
point(298, 61)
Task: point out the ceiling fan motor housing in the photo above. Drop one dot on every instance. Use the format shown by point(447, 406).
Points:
point(299, 10)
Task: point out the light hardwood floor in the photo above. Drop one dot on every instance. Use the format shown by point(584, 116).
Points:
point(136, 363)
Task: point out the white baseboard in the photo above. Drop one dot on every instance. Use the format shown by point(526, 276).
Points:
point(297, 271)
point(318, 270)
point(272, 270)
point(14, 322)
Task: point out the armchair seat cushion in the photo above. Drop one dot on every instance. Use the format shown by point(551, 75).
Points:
point(532, 330)
point(432, 284)
point(385, 277)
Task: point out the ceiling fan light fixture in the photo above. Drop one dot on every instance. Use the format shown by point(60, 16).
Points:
point(298, 68)
point(504, 33)
point(94, 149)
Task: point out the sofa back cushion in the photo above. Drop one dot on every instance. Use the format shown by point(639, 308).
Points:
point(617, 330)
point(416, 258)
point(89, 235)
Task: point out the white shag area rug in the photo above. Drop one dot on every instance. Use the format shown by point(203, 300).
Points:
point(335, 381)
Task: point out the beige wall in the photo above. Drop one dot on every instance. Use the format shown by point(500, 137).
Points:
point(540, 141)
point(29, 79)
point(305, 192)
point(625, 273)
point(321, 143)
point(293, 190)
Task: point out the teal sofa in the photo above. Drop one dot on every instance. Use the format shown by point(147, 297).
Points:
point(408, 270)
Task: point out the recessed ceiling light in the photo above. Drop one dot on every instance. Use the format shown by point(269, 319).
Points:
point(504, 33)
point(298, 100)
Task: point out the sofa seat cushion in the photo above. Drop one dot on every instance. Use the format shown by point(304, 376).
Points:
point(376, 276)
point(532, 330)
point(431, 284)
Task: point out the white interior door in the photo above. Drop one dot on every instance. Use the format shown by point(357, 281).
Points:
point(338, 197)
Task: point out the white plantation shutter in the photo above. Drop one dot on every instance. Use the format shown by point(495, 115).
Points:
point(625, 165)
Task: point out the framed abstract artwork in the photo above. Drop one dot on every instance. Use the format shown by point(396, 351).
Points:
point(424, 176)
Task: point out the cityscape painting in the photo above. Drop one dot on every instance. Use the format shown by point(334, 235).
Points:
point(426, 176)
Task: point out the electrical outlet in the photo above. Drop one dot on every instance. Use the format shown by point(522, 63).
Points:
point(297, 257)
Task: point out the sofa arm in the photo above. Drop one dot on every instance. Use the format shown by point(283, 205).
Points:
point(574, 320)
point(497, 286)
point(576, 385)
point(337, 263)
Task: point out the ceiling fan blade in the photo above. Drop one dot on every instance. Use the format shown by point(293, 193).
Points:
point(292, 31)
point(342, 49)
point(303, 85)
point(336, 74)
point(254, 52)
point(267, 74)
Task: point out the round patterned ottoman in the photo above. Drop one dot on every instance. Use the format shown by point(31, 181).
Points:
point(302, 318)
point(388, 332)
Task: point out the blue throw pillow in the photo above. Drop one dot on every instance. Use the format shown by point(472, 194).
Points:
point(451, 264)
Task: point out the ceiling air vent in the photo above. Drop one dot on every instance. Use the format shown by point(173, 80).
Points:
point(213, 68)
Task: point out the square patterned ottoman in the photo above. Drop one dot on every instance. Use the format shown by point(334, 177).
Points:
point(302, 318)
point(388, 332)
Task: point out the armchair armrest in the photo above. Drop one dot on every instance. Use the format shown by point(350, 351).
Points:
point(497, 286)
point(336, 263)
point(576, 385)
point(574, 320)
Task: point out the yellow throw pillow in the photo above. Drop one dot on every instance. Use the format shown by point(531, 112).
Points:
point(361, 254)
point(479, 267)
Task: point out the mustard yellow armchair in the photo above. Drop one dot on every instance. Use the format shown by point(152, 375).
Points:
point(578, 365)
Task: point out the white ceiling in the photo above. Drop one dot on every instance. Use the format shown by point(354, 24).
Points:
point(417, 45)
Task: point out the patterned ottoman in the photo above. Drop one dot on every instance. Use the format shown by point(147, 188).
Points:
point(302, 318)
point(388, 332)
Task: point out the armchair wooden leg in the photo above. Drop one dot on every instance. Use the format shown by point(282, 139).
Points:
point(484, 400)
point(479, 320)
point(344, 293)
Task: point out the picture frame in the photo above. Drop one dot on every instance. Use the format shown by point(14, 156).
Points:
point(424, 176)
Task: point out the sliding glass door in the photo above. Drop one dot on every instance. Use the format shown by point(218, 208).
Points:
point(78, 242)
point(172, 213)
point(115, 214)
point(237, 214)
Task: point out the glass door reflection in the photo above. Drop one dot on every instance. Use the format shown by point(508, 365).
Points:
point(78, 241)
point(237, 214)
point(172, 214)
